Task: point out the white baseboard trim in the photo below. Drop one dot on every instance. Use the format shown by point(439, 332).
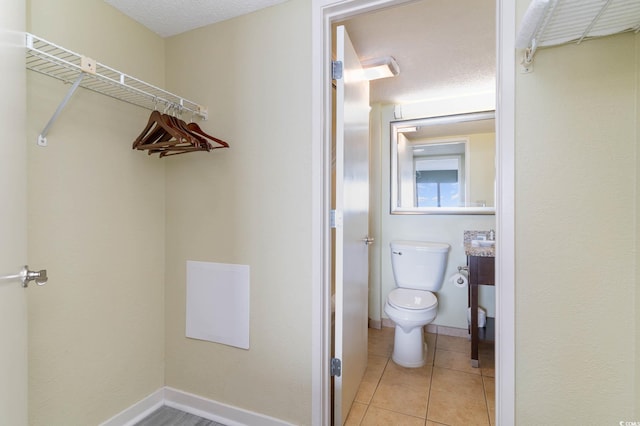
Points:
point(433, 328)
point(450, 331)
point(386, 322)
point(193, 404)
point(137, 411)
point(377, 324)
point(217, 411)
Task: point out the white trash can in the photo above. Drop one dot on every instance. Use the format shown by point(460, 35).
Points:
point(482, 317)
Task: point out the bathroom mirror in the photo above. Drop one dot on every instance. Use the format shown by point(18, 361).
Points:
point(444, 165)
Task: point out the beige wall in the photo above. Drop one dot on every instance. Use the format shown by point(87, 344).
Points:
point(482, 152)
point(97, 223)
point(576, 174)
point(249, 204)
point(97, 330)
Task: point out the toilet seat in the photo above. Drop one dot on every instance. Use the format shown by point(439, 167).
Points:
point(407, 298)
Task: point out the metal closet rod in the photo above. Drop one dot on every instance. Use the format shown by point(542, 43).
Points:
point(55, 61)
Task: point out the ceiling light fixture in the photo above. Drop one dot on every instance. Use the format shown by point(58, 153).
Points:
point(383, 67)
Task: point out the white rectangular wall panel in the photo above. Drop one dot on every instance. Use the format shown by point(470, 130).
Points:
point(218, 303)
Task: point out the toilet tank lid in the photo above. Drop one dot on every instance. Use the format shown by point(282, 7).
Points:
point(420, 245)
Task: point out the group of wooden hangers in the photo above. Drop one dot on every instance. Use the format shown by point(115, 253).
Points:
point(166, 135)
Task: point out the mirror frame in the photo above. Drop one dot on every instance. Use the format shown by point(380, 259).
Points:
point(432, 121)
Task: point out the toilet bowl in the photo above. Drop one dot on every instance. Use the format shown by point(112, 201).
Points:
point(418, 269)
point(410, 310)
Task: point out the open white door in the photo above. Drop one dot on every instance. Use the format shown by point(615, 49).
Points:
point(13, 216)
point(352, 226)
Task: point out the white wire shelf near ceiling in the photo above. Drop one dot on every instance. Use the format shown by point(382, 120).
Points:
point(555, 22)
point(50, 59)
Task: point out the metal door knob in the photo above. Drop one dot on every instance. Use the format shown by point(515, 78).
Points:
point(26, 276)
point(40, 277)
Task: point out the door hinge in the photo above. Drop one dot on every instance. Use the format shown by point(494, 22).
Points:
point(336, 70)
point(336, 367)
point(335, 219)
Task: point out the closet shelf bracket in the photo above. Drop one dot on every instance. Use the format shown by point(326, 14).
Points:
point(42, 137)
point(50, 59)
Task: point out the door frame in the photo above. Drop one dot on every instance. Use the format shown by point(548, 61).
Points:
point(323, 13)
point(13, 219)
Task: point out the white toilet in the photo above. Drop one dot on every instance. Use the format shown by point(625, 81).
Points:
point(418, 270)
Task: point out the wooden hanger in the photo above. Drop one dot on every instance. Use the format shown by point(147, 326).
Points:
point(157, 128)
point(193, 127)
point(166, 135)
point(198, 140)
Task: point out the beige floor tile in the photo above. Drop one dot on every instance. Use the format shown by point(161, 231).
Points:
point(372, 375)
point(454, 344)
point(415, 378)
point(431, 347)
point(489, 371)
point(356, 414)
point(490, 395)
point(455, 361)
point(376, 363)
point(394, 395)
point(381, 341)
point(380, 417)
point(402, 399)
point(366, 390)
point(457, 398)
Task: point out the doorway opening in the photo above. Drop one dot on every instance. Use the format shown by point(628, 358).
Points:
point(324, 13)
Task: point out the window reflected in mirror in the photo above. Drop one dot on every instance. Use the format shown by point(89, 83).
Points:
point(444, 164)
point(439, 174)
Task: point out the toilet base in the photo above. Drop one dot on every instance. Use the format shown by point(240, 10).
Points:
point(409, 349)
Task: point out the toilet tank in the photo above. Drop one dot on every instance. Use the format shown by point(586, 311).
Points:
point(419, 264)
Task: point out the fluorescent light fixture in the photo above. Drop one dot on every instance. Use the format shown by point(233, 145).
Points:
point(407, 129)
point(383, 67)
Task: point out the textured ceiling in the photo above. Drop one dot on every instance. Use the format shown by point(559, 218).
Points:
point(171, 17)
point(444, 48)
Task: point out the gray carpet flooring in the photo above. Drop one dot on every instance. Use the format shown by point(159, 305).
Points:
point(167, 416)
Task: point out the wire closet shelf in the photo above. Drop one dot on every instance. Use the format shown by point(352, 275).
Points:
point(555, 22)
point(55, 61)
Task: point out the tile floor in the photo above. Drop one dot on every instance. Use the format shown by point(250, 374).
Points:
point(446, 391)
